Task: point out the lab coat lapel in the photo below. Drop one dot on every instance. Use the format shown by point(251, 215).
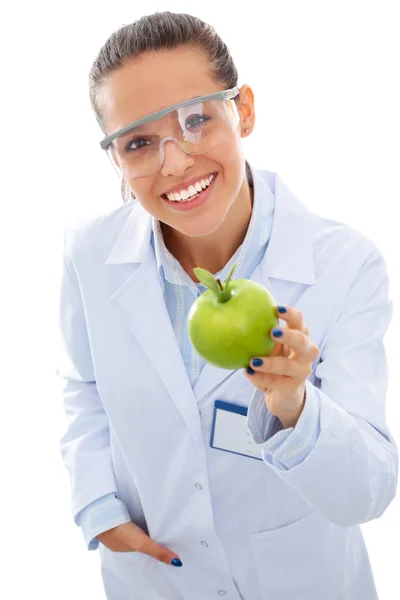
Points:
point(141, 304)
point(289, 258)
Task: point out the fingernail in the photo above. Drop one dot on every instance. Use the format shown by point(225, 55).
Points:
point(176, 562)
point(257, 362)
point(277, 332)
point(282, 309)
point(250, 371)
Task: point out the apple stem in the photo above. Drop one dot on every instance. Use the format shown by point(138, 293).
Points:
point(221, 291)
point(226, 292)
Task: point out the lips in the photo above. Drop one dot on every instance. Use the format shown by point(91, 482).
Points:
point(197, 200)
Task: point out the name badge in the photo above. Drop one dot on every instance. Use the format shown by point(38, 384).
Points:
point(229, 430)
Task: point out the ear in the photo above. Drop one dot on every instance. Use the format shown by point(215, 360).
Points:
point(246, 110)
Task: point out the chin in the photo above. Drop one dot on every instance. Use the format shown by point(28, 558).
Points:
point(199, 229)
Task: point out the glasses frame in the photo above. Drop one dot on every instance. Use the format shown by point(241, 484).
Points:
point(224, 95)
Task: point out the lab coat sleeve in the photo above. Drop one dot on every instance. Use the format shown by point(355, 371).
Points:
point(85, 446)
point(349, 466)
point(100, 516)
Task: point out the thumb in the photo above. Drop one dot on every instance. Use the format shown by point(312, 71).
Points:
point(139, 541)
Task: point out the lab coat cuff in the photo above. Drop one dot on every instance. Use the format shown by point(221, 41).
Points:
point(261, 423)
point(286, 452)
point(100, 516)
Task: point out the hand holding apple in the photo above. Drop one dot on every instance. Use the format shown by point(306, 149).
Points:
point(282, 375)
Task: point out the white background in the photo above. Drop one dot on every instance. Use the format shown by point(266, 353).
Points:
point(326, 82)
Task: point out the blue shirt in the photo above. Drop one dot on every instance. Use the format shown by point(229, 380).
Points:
point(180, 291)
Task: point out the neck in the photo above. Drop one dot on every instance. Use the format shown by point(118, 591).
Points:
point(213, 251)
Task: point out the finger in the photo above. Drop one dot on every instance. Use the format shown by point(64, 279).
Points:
point(293, 317)
point(271, 381)
point(304, 349)
point(131, 535)
point(151, 548)
point(281, 366)
point(291, 337)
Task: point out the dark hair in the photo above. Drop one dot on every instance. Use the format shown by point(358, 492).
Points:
point(160, 31)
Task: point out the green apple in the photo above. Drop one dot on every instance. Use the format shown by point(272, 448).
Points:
point(230, 323)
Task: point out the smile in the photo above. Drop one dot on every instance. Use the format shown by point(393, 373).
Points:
point(194, 190)
point(196, 194)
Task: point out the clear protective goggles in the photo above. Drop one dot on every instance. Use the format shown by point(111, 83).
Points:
point(195, 126)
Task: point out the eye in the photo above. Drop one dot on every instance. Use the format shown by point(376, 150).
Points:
point(137, 144)
point(195, 121)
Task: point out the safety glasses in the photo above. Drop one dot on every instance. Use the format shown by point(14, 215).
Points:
point(196, 126)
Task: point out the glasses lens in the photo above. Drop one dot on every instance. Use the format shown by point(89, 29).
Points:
point(196, 129)
point(135, 154)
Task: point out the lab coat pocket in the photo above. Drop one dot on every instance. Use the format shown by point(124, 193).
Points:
point(308, 559)
point(134, 575)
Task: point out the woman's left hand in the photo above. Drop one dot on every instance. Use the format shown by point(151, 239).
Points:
point(282, 375)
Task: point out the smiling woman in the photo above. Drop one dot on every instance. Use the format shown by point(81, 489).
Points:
point(217, 471)
point(178, 130)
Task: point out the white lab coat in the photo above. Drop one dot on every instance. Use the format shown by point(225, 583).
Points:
point(243, 528)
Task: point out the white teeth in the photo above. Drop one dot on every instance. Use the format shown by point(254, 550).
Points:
point(193, 190)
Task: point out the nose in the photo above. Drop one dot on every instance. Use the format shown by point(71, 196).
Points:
point(176, 160)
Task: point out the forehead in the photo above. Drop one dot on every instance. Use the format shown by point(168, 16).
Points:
point(152, 82)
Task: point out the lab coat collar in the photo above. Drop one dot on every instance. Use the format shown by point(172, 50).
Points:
point(133, 242)
point(290, 252)
point(289, 255)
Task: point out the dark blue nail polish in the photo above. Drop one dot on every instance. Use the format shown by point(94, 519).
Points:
point(176, 562)
point(282, 309)
point(277, 333)
point(257, 362)
point(250, 371)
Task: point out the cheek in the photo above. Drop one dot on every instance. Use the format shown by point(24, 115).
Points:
point(143, 191)
point(231, 159)
point(230, 153)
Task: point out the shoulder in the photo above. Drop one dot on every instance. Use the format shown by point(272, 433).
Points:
point(334, 238)
point(347, 256)
point(95, 234)
point(328, 237)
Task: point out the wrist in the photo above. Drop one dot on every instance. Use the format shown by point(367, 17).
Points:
point(290, 418)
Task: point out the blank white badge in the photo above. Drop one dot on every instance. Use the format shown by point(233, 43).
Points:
point(229, 430)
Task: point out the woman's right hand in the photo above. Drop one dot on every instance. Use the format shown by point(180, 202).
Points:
point(130, 538)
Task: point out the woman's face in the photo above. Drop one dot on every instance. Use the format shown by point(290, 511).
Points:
point(158, 80)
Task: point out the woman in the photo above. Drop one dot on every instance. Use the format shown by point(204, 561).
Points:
point(261, 496)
